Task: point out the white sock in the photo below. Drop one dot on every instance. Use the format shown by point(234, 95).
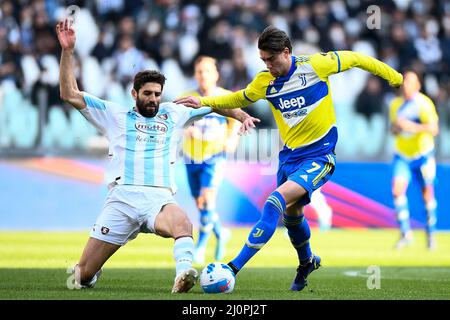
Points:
point(183, 250)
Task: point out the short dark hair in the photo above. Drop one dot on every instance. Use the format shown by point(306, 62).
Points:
point(143, 77)
point(201, 58)
point(274, 40)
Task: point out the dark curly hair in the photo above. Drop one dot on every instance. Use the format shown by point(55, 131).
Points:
point(143, 77)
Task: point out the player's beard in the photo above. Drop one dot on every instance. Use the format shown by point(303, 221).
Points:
point(148, 110)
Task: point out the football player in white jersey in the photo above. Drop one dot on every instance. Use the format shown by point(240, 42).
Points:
point(143, 141)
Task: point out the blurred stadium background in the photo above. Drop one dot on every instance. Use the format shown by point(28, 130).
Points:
point(52, 160)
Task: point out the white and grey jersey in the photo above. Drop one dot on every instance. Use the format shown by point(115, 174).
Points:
point(142, 150)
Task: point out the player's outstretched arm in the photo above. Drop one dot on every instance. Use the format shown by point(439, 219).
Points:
point(247, 121)
point(352, 59)
point(189, 101)
point(405, 125)
point(232, 100)
point(67, 83)
point(338, 61)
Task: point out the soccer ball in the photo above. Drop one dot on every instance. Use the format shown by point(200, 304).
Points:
point(217, 278)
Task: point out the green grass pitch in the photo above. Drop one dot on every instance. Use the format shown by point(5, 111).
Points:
point(33, 266)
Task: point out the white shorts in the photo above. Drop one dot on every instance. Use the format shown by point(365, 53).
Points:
point(129, 210)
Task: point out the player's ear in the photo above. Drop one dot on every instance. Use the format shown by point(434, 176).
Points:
point(134, 94)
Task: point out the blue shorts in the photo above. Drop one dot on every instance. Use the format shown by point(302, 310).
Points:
point(310, 173)
point(205, 175)
point(422, 169)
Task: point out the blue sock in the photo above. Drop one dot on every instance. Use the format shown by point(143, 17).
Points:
point(402, 210)
point(431, 215)
point(299, 233)
point(262, 231)
point(206, 226)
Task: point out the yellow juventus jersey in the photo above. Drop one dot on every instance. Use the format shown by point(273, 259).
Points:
point(214, 132)
point(419, 109)
point(301, 100)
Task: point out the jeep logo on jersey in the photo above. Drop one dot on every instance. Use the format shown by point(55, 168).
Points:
point(294, 102)
point(151, 128)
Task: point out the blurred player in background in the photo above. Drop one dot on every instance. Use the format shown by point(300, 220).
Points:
point(143, 141)
point(207, 141)
point(298, 91)
point(414, 123)
point(322, 208)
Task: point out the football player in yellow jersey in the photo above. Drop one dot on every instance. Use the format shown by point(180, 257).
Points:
point(414, 123)
point(298, 91)
point(206, 143)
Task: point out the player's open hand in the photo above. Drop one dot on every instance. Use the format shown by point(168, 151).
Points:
point(247, 125)
point(66, 34)
point(193, 102)
point(406, 125)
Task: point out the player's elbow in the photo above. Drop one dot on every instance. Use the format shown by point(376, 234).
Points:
point(72, 98)
point(65, 95)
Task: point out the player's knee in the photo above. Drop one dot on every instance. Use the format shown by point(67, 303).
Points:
point(273, 207)
point(399, 189)
point(398, 192)
point(209, 200)
point(199, 201)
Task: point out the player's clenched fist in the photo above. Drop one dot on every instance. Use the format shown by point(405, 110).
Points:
point(66, 34)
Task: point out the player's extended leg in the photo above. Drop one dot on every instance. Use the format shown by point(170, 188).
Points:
point(323, 210)
point(194, 174)
point(299, 234)
point(426, 178)
point(399, 188)
point(285, 195)
point(261, 233)
point(95, 254)
point(222, 234)
point(173, 222)
point(430, 206)
point(205, 228)
point(210, 177)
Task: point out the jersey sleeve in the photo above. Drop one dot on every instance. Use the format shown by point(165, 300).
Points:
point(326, 64)
point(188, 115)
point(254, 91)
point(97, 112)
point(428, 112)
point(195, 114)
point(393, 107)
